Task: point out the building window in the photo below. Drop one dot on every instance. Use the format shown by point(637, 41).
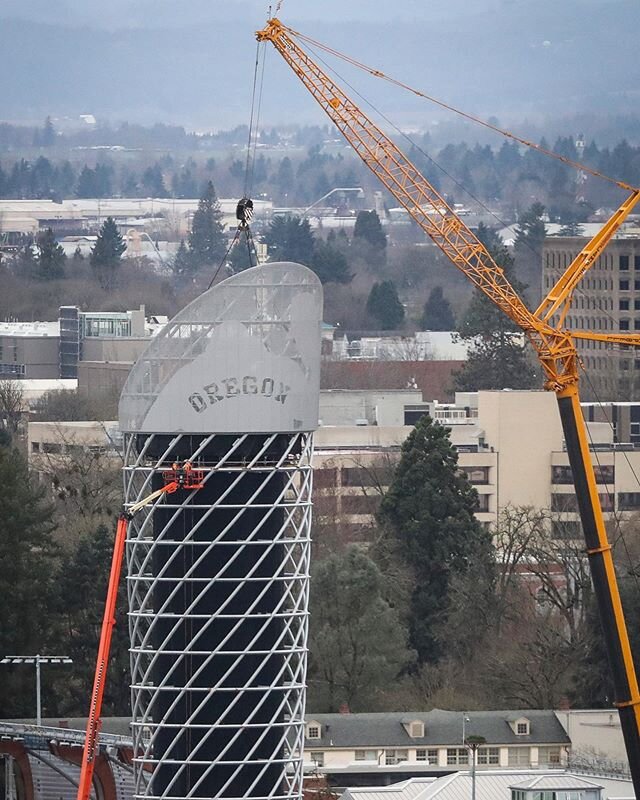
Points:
point(519, 757)
point(313, 732)
point(564, 503)
point(548, 755)
point(325, 478)
point(482, 504)
point(51, 447)
point(605, 473)
point(562, 475)
point(624, 286)
point(628, 500)
point(35, 447)
point(522, 729)
point(427, 756)
point(623, 305)
point(566, 529)
point(416, 730)
point(488, 755)
point(624, 262)
point(623, 325)
point(636, 285)
point(477, 475)
point(366, 755)
point(392, 757)
point(457, 756)
point(636, 262)
point(360, 477)
point(317, 758)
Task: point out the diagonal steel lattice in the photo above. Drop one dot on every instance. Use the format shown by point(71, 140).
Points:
point(218, 585)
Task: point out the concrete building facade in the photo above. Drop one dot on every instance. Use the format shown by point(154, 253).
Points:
point(607, 300)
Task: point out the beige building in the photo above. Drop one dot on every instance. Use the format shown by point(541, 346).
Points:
point(607, 300)
point(399, 744)
point(510, 444)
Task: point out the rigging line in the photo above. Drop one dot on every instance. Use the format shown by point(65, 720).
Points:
point(257, 123)
point(616, 520)
point(406, 136)
point(224, 258)
point(471, 117)
point(251, 118)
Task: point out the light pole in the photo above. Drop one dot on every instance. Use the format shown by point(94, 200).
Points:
point(465, 719)
point(473, 743)
point(37, 660)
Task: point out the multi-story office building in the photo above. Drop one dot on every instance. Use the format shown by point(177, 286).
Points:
point(607, 300)
point(50, 350)
point(510, 444)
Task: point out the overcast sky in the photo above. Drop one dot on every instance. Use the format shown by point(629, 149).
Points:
point(191, 61)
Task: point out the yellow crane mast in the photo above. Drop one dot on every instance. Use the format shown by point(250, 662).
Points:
point(554, 344)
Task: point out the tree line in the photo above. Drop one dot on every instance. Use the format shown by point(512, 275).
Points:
point(508, 176)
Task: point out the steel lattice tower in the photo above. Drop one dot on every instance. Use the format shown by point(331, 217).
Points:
point(218, 578)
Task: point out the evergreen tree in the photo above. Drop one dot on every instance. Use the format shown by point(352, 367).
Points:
point(571, 228)
point(51, 257)
point(26, 263)
point(153, 182)
point(497, 358)
point(428, 513)
point(385, 307)
point(290, 239)
point(530, 235)
point(368, 232)
point(181, 261)
point(26, 550)
point(358, 644)
point(330, 264)
point(240, 257)
point(79, 604)
point(437, 314)
point(207, 243)
point(87, 183)
point(531, 230)
point(106, 253)
point(369, 228)
point(48, 137)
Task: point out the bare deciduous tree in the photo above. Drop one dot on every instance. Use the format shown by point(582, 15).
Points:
point(12, 404)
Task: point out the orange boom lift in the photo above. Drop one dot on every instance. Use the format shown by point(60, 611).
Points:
point(178, 477)
point(554, 344)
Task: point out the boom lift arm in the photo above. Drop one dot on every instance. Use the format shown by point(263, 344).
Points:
point(177, 478)
point(553, 343)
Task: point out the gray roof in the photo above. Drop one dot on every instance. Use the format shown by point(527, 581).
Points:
point(563, 782)
point(440, 728)
point(490, 785)
point(406, 790)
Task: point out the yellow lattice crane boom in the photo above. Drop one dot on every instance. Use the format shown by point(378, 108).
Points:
point(554, 344)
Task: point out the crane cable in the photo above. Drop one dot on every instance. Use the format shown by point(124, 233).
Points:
point(252, 142)
point(413, 144)
point(537, 253)
point(616, 519)
point(465, 114)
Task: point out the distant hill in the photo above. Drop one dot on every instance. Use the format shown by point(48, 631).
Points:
point(192, 62)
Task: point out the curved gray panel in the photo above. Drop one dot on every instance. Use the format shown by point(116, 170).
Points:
point(244, 357)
